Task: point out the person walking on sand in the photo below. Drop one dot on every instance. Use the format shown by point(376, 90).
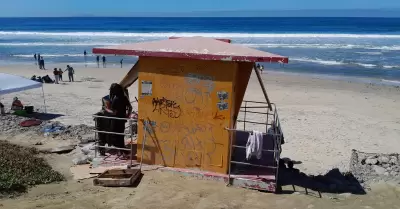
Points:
point(56, 77)
point(35, 57)
point(71, 73)
point(98, 61)
point(121, 62)
point(104, 61)
point(60, 72)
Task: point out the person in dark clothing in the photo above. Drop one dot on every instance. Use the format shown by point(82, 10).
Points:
point(55, 73)
point(103, 124)
point(34, 56)
point(60, 72)
point(84, 55)
point(71, 73)
point(42, 63)
point(104, 61)
point(98, 61)
point(120, 107)
point(121, 62)
point(38, 61)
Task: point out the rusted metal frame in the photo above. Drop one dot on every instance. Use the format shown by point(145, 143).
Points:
point(115, 133)
point(115, 118)
point(257, 102)
point(250, 164)
point(245, 113)
point(116, 148)
point(253, 122)
point(243, 147)
point(261, 113)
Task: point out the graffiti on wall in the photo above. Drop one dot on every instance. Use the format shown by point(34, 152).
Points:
point(189, 141)
point(167, 107)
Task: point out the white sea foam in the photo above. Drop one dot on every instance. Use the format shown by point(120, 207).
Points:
point(391, 81)
point(370, 53)
point(48, 55)
point(391, 66)
point(365, 65)
point(55, 44)
point(307, 46)
point(318, 61)
point(333, 62)
point(330, 46)
point(220, 35)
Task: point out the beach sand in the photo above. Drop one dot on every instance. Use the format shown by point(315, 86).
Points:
point(322, 119)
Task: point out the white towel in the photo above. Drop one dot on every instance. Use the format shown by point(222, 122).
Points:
point(254, 145)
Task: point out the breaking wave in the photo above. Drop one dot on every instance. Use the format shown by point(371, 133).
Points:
point(219, 35)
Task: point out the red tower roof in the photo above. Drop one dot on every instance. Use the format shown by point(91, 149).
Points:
point(193, 48)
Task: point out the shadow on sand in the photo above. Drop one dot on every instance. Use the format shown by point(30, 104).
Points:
point(333, 181)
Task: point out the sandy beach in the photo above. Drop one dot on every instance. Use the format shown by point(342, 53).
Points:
point(322, 119)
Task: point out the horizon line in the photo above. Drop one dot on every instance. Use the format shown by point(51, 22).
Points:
point(300, 13)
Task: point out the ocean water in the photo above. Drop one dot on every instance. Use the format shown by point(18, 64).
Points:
point(355, 47)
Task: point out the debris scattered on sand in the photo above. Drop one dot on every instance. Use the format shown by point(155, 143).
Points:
point(374, 167)
point(10, 125)
point(21, 168)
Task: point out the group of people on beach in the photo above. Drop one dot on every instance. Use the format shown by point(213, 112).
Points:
point(40, 61)
point(58, 74)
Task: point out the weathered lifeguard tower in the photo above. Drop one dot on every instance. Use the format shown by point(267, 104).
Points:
point(191, 92)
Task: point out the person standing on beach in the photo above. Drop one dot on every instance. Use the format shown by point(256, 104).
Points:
point(84, 55)
point(42, 64)
point(38, 61)
point(56, 77)
point(98, 61)
point(60, 72)
point(104, 61)
point(71, 73)
point(121, 62)
point(34, 56)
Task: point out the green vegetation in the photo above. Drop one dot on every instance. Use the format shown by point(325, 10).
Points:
point(21, 168)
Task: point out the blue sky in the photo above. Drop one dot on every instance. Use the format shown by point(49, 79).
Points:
point(17, 8)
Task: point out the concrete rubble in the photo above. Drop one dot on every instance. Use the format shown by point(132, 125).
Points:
point(81, 135)
point(374, 167)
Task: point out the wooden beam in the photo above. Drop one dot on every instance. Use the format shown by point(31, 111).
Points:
point(262, 86)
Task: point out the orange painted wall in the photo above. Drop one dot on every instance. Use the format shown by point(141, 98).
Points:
point(187, 126)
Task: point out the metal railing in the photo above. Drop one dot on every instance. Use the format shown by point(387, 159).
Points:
point(272, 128)
point(131, 135)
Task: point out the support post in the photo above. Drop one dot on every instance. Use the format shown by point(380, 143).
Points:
point(44, 101)
point(262, 87)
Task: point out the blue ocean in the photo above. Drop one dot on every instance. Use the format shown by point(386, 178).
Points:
point(351, 47)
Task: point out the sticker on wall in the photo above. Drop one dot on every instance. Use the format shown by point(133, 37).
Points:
point(149, 125)
point(222, 96)
point(147, 88)
point(222, 105)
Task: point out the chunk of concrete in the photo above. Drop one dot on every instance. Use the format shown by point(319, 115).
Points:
point(378, 169)
point(371, 161)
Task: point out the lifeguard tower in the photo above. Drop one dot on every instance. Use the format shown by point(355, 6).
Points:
point(190, 104)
